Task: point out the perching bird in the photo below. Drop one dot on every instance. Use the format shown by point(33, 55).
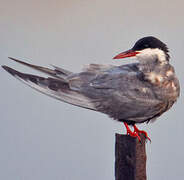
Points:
point(133, 93)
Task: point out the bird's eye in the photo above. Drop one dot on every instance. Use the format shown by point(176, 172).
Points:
point(146, 45)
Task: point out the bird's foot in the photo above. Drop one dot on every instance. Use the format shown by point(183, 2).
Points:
point(133, 134)
point(137, 131)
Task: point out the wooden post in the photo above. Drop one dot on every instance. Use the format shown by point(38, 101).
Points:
point(130, 158)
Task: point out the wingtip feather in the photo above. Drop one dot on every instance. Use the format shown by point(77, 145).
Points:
point(6, 68)
point(9, 70)
point(11, 58)
point(21, 62)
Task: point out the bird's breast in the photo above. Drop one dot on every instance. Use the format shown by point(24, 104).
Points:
point(165, 83)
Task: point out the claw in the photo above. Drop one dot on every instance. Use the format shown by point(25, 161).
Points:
point(136, 130)
point(133, 134)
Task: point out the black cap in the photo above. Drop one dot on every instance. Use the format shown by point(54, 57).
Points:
point(150, 42)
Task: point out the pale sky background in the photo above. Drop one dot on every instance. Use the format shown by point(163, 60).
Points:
point(44, 139)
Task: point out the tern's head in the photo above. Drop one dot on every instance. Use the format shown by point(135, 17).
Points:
point(146, 50)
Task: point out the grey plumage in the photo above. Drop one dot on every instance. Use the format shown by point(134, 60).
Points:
point(132, 93)
point(56, 88)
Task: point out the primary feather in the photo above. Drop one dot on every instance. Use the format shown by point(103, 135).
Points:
point(56, 88)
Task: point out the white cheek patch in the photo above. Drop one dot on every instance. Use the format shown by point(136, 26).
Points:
point(151, 54)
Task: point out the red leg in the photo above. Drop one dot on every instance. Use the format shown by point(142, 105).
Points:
point(136, 130)
point(129, 132)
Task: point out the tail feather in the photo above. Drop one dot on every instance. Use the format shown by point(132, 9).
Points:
point(53, 87)
point(57, 72)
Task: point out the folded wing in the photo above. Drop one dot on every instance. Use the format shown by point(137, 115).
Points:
point(119, 91)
